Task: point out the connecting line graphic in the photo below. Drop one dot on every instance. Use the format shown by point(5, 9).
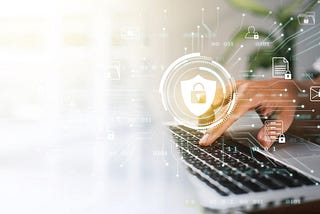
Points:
point(301, 31)
point(308, 5)
point(198, 37)
point(192, 42)
point(175, 158)
point(313, 46)
point(279, 37)
point(204, 25)
point(267, 16)
point(271, 33)
point(314, 82)
point(284, 42)
point(275, 82)
point(307, 39)
point(242, 19)
point(234, 64)
point(253, 75)
point(312, 41)
point(280, 25)
point(218, 15)
point(164, 139)
point(241, 46)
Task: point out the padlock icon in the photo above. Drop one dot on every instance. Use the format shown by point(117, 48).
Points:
point(256, 35)
point(287, 75)
point(198, 94)
point(282, 138)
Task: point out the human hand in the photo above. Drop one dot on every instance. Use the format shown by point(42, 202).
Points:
point(271, 99)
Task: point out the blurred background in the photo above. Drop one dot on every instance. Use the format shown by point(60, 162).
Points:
point(80, 113)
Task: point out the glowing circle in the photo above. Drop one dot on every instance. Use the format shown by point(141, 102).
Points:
point(198, 92)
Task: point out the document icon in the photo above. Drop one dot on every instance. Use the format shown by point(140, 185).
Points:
point(273, 129)
point(280, 67)
point(315, 93)
point(307, 18)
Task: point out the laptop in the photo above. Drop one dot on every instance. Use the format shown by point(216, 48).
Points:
point(236, 174)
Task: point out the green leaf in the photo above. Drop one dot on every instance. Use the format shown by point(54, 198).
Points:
point(250, 5)
point(311, 6)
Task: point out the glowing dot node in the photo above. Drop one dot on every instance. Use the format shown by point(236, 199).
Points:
point(302, 106)
point(293, 100)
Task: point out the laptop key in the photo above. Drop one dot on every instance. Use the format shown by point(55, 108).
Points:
point(286, 179)
point(268, 182)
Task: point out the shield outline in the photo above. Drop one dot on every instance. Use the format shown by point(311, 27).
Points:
point(210, 86)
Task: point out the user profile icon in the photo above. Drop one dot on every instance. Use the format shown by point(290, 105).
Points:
point(197, 91)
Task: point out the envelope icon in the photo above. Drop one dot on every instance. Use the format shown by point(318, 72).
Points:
point(315, 93)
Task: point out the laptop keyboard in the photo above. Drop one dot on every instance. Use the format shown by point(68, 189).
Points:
point(232, 168)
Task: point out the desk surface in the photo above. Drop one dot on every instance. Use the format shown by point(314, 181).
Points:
point(58, 169)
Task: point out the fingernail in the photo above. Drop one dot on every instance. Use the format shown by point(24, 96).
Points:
point(204, 139)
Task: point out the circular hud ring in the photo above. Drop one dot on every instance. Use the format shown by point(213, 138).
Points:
point(197, 91)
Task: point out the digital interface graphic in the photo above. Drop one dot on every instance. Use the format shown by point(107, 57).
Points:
point(159, 106)
point(195, 89)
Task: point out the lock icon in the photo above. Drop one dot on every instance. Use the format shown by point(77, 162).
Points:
point(198, 94)
point(255, 35)
point(282, 138)
point(287, 75)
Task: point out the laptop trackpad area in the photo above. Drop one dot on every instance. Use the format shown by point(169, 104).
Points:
point(300, 154)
